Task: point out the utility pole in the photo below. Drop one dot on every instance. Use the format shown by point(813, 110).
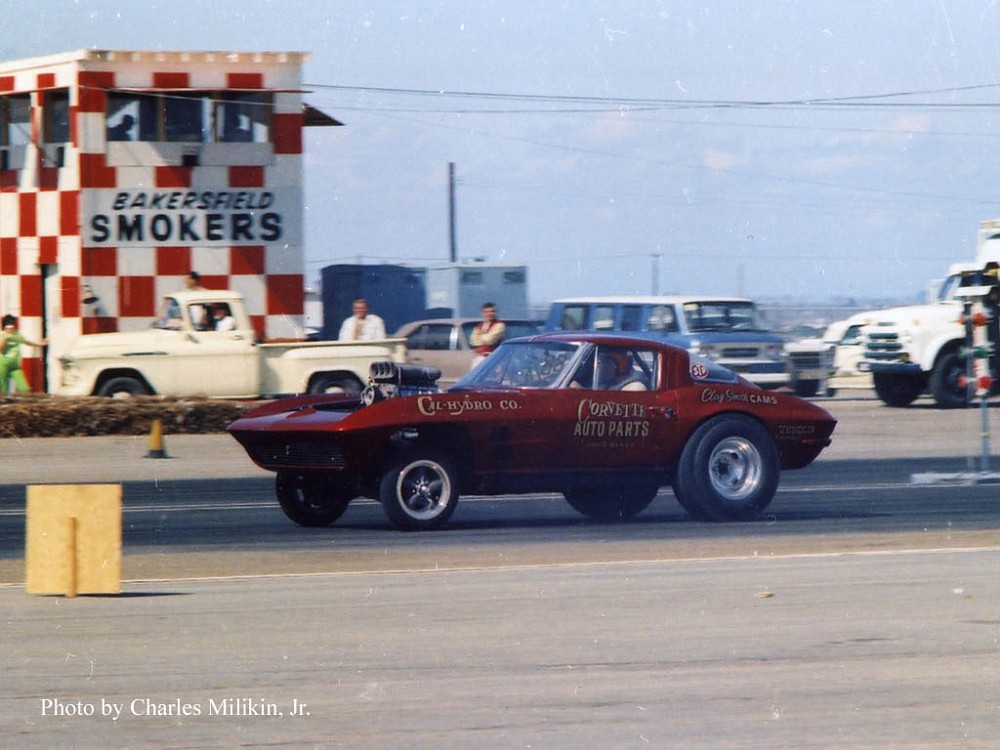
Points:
point(656, 274)
point(453, 245)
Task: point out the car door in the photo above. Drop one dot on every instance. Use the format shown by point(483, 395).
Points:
point(588, 428)
point(632, 423)
point(214, 363)
point(435, 344)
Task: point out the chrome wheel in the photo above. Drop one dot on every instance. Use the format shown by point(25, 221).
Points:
point(419, 492)
point(735, 468)
point(728, 470)
point(424, 488)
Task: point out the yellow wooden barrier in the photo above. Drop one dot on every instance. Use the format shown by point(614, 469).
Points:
point(74, 539)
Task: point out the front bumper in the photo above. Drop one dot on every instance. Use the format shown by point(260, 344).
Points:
point(767, 374)
point(898, 368)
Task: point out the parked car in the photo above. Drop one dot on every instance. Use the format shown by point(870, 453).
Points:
point(539, 416)
point(444, 343)
point(824, 365)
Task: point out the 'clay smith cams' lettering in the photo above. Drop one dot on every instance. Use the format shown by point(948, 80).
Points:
point(729, 396)
point(187, 217)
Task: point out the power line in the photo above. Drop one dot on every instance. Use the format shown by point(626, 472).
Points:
point(853, 101)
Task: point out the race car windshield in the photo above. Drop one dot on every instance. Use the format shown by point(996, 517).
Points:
point(522, 365)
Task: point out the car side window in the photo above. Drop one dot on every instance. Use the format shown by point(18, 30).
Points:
point(603, 318)
point(574, 318)
point(646, 368)
point(631, 318)
point(618, 369)
point(851, 336)
point(200, 318)
point(661, 319)
point(430, 337)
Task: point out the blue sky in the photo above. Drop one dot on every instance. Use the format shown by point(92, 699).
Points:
point(773, 149)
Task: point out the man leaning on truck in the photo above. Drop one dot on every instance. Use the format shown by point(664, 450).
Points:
point(362, 325)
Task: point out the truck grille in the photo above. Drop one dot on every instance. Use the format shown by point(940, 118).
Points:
point(298, 454)
point(809, 360)
point(882, 345)
point(742, 352)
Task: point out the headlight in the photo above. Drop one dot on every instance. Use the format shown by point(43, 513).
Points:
point(708, 352)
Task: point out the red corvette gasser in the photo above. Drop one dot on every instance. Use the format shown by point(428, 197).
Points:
point(606, 420)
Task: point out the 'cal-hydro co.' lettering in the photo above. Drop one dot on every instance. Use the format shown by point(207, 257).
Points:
point(431, 405)
point(452, 406)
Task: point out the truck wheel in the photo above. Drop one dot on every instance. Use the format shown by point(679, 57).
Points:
point(311, 499)
point(122, 387)
point(728, 470)
point(945, 382)
point(335, 384)
point(897, 390)
point(606, 505)
point(419, 491)
point(806, 388)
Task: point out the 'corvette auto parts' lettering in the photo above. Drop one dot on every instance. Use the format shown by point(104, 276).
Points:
point(610, 419)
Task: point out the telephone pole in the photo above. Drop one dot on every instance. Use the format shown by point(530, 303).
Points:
point(452, 243)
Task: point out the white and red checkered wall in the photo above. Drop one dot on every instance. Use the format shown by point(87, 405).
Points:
point(65, 273)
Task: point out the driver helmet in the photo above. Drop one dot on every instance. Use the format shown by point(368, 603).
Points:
point(617, 357)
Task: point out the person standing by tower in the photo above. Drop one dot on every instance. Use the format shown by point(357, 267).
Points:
point(11, 341)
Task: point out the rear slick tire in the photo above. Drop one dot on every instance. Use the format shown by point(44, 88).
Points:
point(607, 505)
point(728, 470)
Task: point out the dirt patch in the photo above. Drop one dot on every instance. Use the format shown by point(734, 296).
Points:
point(54, 416)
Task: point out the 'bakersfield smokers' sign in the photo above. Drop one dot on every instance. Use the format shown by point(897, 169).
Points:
point(143, 218)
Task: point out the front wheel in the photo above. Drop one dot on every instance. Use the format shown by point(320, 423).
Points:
point(805, 388)
point(311, 499)
point(419, 491)
point(326, 383)
point(121, 387)
point(897, 390)
point(946, 382)
point(728, 470)
point(605, 505)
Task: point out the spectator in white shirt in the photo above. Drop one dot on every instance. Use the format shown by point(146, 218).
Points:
point(362, 325)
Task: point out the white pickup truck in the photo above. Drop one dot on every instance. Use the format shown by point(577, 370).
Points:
point(185, 354)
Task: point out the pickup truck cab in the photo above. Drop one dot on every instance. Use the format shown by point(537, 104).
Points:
point(185, 353)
